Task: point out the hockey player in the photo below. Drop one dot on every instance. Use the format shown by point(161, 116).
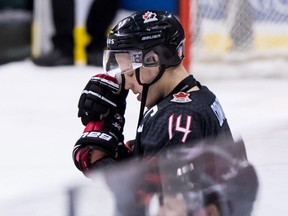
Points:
point(201, 181)
point(197, 180)
point(144, 55)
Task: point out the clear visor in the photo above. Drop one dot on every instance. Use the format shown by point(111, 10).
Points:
point(124, 61)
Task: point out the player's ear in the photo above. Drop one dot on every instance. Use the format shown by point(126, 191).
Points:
point(211, 210)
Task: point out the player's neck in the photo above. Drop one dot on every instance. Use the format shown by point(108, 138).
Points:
point(172, 77)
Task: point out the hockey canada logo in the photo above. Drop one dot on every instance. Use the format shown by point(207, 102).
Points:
point(149, 17)
point(181, 97)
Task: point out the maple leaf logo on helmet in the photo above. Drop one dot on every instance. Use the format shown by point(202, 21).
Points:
point(149, 17)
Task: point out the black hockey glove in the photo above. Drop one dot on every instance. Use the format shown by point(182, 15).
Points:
point(101, 96)
point(104, 135)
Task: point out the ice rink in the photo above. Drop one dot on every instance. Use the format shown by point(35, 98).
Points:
point(39, 126)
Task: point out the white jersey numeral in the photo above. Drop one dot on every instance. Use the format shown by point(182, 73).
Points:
point(177, 128)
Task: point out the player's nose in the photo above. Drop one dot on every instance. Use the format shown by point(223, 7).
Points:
point(130, 82)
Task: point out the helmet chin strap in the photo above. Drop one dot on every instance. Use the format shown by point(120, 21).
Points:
point(137, 147)
point(145, 90)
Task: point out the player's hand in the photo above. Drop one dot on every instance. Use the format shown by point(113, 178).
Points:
point(102, 95)
point(103, 136)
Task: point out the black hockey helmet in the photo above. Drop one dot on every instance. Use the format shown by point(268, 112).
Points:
point(229, 183)
point(208, 175)
point(195, 176)
point(155, 30)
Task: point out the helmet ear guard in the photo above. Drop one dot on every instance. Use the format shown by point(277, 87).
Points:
point(151, 59)
point(169, 57)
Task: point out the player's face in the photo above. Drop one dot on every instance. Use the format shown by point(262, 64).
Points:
point(128, 62)
point(176, 205)
point(147, 75)
point(173, 206)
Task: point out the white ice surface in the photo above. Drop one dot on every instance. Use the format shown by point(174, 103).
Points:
point(39, 126)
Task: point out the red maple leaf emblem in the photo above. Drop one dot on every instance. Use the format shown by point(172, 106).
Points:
point(181, 95)
point(147, 15)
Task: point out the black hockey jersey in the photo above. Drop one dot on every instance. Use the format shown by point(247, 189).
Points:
point(182, 117)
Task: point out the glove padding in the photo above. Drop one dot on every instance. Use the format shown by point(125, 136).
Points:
point(101, 96)
point(104, 135)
